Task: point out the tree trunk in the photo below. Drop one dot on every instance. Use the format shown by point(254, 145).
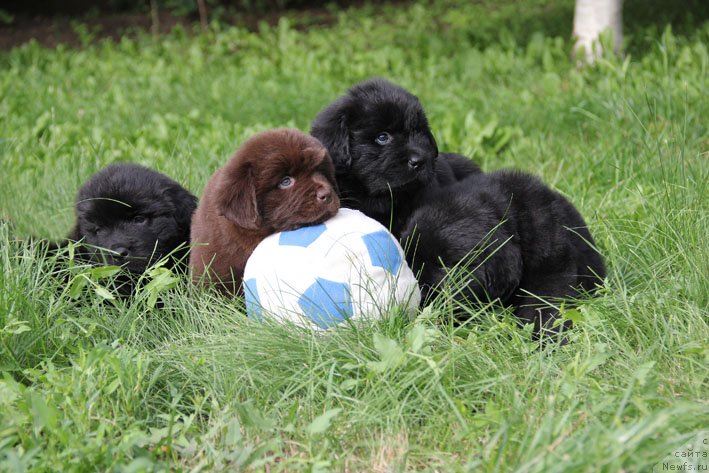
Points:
point(155, 18)
point(591, 18)
point(203, 19)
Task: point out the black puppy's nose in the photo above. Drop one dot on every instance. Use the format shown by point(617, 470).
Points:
point(416, 162)
point(121, 251)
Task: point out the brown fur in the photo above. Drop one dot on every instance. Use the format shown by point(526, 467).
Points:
point(243, 203)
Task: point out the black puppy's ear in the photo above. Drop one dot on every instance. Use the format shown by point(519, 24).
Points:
point(184, 205)
point(331, 128)
point(74, 235)
point(239, 204)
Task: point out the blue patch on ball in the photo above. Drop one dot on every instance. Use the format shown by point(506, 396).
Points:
point(253, 302)
point(303, 236)
point(327, 303)
point(383, 251)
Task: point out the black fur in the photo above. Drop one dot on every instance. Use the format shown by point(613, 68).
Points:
point(132, 216)
point(513, 234)
point(384, 180)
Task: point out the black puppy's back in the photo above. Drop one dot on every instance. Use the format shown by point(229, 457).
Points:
point(513, 234)
point(453, 167)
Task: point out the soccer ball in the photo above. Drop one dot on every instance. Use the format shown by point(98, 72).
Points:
point(347, 269)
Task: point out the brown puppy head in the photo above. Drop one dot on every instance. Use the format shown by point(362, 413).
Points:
point(279, 180)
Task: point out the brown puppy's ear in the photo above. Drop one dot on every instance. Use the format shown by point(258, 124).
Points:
point(239, 204)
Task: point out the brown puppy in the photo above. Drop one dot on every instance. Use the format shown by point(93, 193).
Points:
point(278, 180)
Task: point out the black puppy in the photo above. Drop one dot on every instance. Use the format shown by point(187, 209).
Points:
point(384, 152)
point(518, 240)
point(132, 216)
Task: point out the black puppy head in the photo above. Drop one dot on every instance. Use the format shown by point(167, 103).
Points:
point(378, 134)
point(132, 216)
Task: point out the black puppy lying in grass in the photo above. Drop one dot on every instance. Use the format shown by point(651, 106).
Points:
point(513, 240)
point(131, 216)
point(443, 208)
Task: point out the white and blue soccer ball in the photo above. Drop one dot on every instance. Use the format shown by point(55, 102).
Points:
point(348, 269)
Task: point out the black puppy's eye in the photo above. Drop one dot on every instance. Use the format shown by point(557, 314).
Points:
point(382, 138)
point(139, 219)
point(286, 182)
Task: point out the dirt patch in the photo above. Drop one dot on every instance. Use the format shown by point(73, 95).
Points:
point(53, 31)
point(77, 30)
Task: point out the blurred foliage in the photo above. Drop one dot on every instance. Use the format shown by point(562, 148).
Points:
point(506, 21)
point(522, 17)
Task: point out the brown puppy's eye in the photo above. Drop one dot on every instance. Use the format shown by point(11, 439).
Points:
point(383, 138)
point(286, 182)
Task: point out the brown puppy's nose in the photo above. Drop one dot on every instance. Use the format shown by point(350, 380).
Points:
point(324, 194)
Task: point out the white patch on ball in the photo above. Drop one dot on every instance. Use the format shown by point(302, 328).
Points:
point(348, 268)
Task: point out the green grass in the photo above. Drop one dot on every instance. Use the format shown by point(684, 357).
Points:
point(195, 386)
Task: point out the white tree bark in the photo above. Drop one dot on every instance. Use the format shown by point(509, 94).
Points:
point(593, 17)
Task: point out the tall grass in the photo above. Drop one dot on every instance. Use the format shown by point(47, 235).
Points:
point(90, 384)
